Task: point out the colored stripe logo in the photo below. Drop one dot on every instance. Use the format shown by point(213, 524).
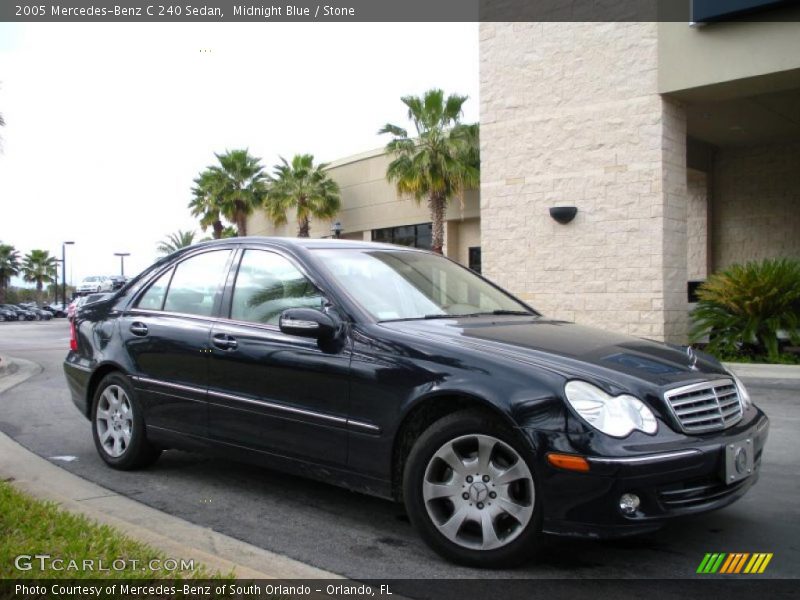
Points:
point(734, 563)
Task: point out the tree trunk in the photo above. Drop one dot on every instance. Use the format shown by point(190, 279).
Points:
point(2, 291)
point(437, 205)
point(304, 227)
point(38, 292)
point(218, 228)
point(241, 224)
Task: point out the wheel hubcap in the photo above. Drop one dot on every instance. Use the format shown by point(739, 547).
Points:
point(478, 492)
point(114, 421)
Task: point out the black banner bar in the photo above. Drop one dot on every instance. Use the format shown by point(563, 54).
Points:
point(392, 10)
point(740, 587)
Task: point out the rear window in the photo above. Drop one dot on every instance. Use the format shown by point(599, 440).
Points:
point(192, 287)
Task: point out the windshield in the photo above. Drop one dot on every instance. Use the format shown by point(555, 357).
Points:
point(398, 284)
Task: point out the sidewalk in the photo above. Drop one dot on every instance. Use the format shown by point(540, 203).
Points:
point(175, 537)
point(762, 371)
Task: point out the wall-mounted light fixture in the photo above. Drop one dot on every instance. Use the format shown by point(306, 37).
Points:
point(563, 214)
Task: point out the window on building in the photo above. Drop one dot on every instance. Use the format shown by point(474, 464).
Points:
point(475, 259)
point(416, 236)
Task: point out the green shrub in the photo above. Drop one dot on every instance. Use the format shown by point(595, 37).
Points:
point(742, 308)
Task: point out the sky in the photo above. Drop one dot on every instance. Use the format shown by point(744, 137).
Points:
point(107, 124)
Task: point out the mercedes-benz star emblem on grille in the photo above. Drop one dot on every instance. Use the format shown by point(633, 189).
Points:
point(692, 358)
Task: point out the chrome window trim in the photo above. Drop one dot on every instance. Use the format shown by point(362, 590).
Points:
point(644, 459)
point(168, 313)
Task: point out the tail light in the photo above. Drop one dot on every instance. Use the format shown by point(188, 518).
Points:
point(73, 336)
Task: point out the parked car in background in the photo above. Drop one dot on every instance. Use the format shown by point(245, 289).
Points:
point(58, 310)
point(118, 281)
point(397, 372)
point(94, 283)
point(73, 306)
point(27, 314)
point(41, 314)
point(6, 314)
point(76, 304)
point(18, 314)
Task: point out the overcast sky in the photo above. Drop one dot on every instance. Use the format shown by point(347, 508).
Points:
point(107, 124)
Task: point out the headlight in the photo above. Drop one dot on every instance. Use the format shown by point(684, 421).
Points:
point(747, 402)
point(616, 416)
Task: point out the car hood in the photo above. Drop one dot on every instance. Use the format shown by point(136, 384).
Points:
point(573, 350)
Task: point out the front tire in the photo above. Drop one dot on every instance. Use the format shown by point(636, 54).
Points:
point(469, 488)
point(118, 425)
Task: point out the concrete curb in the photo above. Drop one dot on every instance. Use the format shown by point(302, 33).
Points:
point(173, 536)
point(764, 371)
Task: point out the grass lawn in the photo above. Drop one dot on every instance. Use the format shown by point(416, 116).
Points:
point(29, 527)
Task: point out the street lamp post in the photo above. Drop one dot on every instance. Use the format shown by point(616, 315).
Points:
point(122, 256)
point(64, 271)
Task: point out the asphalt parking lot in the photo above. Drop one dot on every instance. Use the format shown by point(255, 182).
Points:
point(363, 537)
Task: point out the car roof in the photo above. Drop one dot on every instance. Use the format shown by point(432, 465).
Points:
point(309, 243)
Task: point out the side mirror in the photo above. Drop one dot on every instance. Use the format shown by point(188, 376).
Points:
point(307, 322)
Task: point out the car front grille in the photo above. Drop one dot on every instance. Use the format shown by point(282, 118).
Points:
point(706, 406)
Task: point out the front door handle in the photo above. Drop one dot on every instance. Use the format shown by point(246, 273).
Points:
point(138, 328)
point(224, 341)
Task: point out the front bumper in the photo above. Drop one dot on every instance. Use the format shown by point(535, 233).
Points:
point(683, 480)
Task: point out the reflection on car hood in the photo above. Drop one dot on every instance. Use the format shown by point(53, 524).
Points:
point(573, 346)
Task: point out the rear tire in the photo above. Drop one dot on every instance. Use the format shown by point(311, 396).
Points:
point(470, 489)
point(118, 425)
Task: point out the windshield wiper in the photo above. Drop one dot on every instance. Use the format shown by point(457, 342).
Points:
point(480, 314)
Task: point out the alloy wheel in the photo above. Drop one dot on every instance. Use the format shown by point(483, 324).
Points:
point(114, 421)
point(478, 492)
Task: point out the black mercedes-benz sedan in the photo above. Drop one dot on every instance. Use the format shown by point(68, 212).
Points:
point(399, 373)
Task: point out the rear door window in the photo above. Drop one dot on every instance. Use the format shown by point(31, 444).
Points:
point(192, 287)
point(197, 284)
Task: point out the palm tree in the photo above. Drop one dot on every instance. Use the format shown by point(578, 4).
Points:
point(176, 241)
point(304, 187)
point(240, 185)
point(205, 203)
point(9, 266)
point(39, 267)
point(441, 162)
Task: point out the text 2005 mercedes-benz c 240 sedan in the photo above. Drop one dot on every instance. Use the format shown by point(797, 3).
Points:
point(399, 373)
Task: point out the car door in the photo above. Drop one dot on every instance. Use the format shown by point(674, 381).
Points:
point(166, 336)
point(270, 391)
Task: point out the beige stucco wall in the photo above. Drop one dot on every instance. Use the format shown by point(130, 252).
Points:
point(756, 206)
point(697, 225)
point(370, 202)
point(571, 115)
point(693, 57)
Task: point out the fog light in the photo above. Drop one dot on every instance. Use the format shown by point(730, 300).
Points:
point(628, 503)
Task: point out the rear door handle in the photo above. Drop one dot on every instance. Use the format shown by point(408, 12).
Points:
point(224, 341)
point(138, 328)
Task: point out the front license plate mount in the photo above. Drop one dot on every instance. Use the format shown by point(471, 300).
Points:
point(739, 457)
